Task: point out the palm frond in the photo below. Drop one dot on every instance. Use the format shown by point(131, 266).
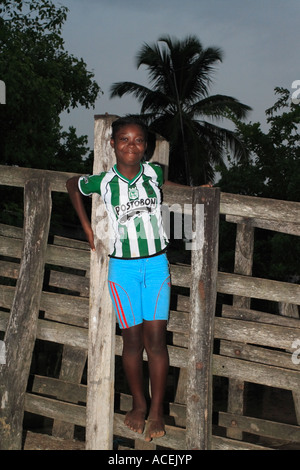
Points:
point(178, 103)
point(219, 106)
point(126, 88)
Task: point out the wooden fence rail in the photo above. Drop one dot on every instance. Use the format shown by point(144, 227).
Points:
point(253, 347)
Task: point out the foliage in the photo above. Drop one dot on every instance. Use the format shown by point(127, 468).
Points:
point(179, 107)
point(274, 169)
point(42, 80)
point(272, 172)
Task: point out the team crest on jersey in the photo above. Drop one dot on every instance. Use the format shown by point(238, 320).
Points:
point(133, 193)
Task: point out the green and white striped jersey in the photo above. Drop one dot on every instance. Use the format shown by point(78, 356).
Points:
point(134, 209)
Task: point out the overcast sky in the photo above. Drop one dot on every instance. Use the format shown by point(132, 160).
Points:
point(259, 38)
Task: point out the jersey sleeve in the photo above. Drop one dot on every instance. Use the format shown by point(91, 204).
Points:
point(159, 173)
point(90, 184)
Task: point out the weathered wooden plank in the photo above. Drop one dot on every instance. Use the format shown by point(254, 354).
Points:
point(223, 443)
point(258, 288)
point(51, 408)
point(227, 283)
point(71, 243)
point(60, 307)
point(173, 439)
point(180, 275)
point(261, 427)
point(52, 387)
point(17, 176)
point(78, 337)
point(261, 208)
point(248, 371)
point(11, 231)
point(37, 441)
point(203, 302)
point(22, 325)
point(65, 308)
point(275, 336)
point(262, 355)
point(68, 257)
point(9, 269)
point(62, 334)
point(55, 332)
point(71, 282)
point(179, 322)
point(229, 311)
point(291, 228)
point(231, 204)
point(56, 255)
point(11, 247)
point(66, 281)
point(72, 366)
point(100, 398)
point(76, 414)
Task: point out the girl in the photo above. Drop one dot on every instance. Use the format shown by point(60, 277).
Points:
point(138, 278)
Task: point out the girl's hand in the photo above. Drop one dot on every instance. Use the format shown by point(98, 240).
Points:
point(90, 238)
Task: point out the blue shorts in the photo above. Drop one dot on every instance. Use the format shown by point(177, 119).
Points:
point(140, 289)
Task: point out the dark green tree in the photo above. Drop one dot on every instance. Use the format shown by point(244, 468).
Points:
point(274, 167)
point(42, 80)
point(273, 171)
point(180, 108)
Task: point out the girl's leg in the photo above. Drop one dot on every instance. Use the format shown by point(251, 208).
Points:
point(133, 346)
point(158, 361)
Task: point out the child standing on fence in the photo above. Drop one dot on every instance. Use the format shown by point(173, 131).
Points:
point(138, 277)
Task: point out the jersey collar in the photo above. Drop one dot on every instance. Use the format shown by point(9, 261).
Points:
point(126, 180)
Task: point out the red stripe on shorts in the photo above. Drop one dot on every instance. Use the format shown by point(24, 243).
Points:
point(118, 304)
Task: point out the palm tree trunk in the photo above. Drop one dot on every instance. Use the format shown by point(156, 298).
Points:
point(185, 149)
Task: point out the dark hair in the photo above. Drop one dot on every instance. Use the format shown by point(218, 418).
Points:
point(127, 120)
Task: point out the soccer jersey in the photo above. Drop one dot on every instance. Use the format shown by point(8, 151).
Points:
point(134, 209)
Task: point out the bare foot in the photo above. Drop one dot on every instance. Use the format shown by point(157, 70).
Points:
point(135, 420)
point(154, 428)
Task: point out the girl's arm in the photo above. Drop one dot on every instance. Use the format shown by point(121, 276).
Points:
point(76, 199)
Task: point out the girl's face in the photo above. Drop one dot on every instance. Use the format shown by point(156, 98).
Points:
point(129, 145)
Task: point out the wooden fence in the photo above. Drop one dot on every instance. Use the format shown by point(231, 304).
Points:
point(51, 292)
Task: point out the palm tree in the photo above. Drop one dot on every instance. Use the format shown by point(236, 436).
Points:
point(176, 105)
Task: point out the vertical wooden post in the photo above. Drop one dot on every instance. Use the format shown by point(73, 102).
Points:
point(292, 310)
point(204, 270)
point(101, 349)
point(72, 365)
point(21, 330)
point(242, 265)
